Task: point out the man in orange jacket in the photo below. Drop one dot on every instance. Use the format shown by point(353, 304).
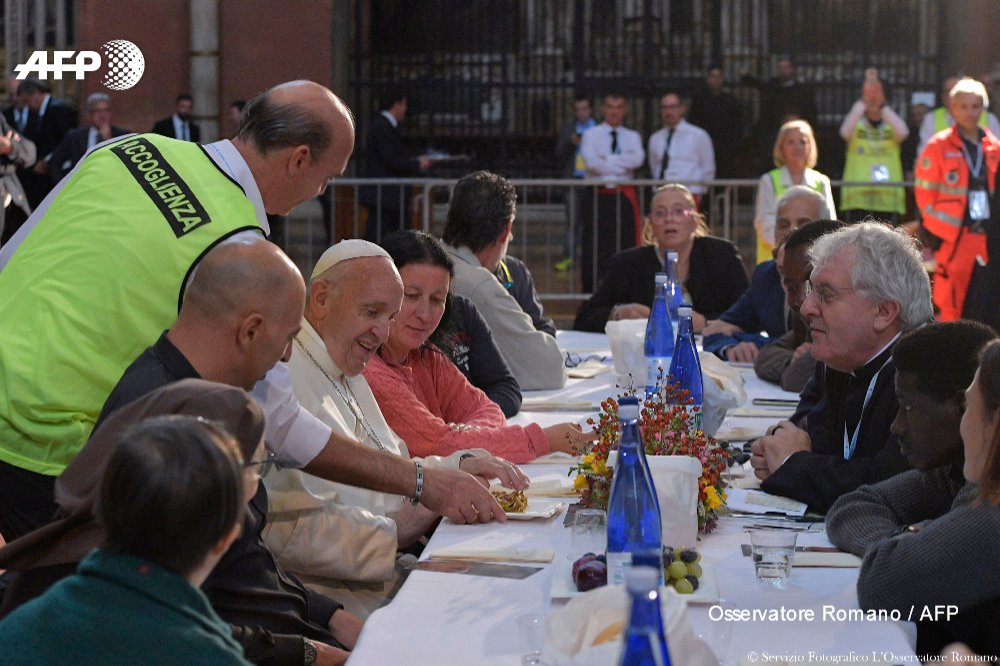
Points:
point(954, 184)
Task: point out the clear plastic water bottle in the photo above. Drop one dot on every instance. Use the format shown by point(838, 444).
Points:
point(685, 368)
point(675, 291)
point(659, 343)
point(633, 511)
point(645, 641)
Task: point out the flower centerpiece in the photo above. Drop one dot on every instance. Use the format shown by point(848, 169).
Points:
point(667, 430)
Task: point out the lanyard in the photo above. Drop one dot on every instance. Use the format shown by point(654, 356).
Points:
point(973, 171)
point(850, 446)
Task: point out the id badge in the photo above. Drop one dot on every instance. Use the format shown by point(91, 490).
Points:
point(880, 173)
point(979, 205)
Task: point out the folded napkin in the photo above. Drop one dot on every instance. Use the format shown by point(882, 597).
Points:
point(588, 369)
point(741, 433)
point(551, 485)
point(541, 404)
point(494, 553)
point(829, 560)
point(550, 458)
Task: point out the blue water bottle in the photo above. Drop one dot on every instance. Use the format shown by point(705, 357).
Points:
point(685, 368)
point(659, 343)
point(633, 511)
point(675, 291)
point(645, 641)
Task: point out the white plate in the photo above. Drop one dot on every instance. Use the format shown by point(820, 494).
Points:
point(564, 588)
point(537, 508)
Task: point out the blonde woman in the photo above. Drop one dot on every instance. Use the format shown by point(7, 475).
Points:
point(795, 156)
point(709, 268)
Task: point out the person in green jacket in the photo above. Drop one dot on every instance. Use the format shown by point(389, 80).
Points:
point(171, 502)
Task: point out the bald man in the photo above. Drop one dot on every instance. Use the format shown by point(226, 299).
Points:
point(97, 273)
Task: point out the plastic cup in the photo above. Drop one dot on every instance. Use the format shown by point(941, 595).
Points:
point(773, 552)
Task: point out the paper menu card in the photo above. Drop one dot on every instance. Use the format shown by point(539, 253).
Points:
point(757, 501)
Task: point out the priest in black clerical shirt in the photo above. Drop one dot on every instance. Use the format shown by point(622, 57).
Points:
point(868, 287)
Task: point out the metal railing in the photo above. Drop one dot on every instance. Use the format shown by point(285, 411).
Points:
point(541, 231)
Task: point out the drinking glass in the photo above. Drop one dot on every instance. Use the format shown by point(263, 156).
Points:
point(773, 552)
point(589, 533)
point(531, 633)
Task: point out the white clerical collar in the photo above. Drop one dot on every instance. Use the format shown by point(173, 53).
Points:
point(880, 351)
point(391, 118)
point(227, 158)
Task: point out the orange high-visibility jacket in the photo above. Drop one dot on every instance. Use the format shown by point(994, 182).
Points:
point(941, 188)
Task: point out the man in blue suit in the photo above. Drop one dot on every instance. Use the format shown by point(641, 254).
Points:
point(736, 334)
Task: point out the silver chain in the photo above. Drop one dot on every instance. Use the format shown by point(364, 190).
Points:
point(351, 402)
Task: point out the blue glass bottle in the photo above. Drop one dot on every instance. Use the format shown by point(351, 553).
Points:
point(685, 368)
point(633, 511)
point(645, 641)
point(659, 342)
point(675, 291)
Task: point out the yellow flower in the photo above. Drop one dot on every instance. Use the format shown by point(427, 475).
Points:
point(600, 467)
point(580, 482)
point(589, 458)
point(712, 498)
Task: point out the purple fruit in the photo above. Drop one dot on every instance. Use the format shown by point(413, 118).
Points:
point(589, 557)
point(591, 575)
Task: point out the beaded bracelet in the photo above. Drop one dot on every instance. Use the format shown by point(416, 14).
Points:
point(420, 483)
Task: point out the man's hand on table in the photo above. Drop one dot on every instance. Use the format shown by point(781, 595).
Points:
point(327, 655)
point(461, 497)
point(771, 451)
point(742, 352)
point(345, 627)
point(490, 467)
point(568, 437)
point(629, 311)
point(720, 326)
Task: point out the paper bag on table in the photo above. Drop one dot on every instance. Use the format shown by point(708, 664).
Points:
point(723, 389)
point(626, 339)
point(588, 630)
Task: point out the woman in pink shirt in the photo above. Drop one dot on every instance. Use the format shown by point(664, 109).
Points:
point(425, 399)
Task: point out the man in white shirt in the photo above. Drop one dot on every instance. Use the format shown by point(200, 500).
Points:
point(612, 152)
point(680, 152)
point(179, 125)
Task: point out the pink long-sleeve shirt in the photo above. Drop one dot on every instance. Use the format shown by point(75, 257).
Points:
point(430, 404)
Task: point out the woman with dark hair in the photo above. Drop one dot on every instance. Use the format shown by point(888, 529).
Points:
point(709, 269)
point(424, 398)
point(170, 503)
point(930, 537)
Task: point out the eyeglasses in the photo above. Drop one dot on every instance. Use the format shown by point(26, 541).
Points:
point(265, 465)
point(663, 213)
point(825, 294)
point(573, 360)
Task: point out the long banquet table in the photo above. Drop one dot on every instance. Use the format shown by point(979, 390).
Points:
point(443, 618)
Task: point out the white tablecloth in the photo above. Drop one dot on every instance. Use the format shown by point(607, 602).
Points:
point(443, 619)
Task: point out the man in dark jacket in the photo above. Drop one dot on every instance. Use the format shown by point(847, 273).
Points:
point(77, 142)
point(386, 157)
point(867, 288)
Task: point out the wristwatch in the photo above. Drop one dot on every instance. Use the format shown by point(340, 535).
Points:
point(309, 652)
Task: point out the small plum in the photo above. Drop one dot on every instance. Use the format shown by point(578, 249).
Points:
point(591, 575)
point(587, 557)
